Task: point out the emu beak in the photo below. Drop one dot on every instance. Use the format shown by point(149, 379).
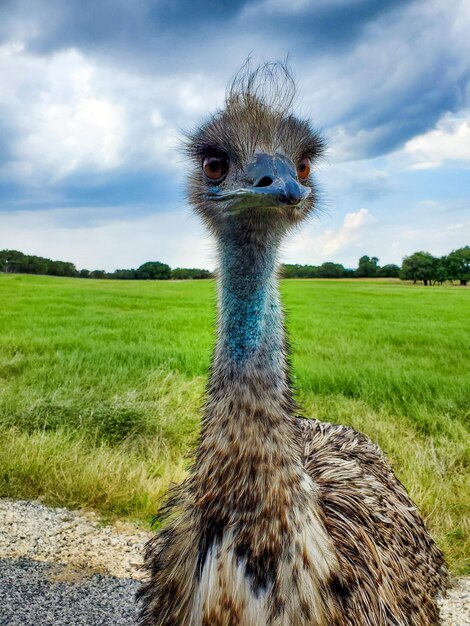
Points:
point(273, 183)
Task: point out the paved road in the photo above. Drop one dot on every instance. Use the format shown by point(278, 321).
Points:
point(42, 594)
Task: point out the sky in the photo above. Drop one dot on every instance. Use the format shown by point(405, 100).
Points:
point(95, 95)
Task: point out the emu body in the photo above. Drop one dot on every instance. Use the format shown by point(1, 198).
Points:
point(282, 521)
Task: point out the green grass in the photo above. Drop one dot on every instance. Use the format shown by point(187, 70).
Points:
point(101, 384)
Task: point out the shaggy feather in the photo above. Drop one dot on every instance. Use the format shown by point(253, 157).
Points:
point(282, 521)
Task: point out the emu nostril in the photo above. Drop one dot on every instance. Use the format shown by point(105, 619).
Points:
point(264, 182)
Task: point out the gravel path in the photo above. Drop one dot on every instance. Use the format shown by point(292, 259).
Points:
point(33, 531)
point(44, 594)
point(64, 568)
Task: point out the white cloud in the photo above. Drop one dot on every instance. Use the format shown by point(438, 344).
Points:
point(366, 179)
point(71, 113)
point(392, 243)
point(371, 92)
point(449, 141)
point(349, 234)
point(173, 237)
point(438, 241)
point(294, 6)
point(362, 233)
point(64, 122)
point(345, 242)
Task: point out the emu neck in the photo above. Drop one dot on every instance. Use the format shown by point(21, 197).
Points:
point(247, 417)
point(251, 332)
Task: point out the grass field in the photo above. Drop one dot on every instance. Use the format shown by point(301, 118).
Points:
point(101, 384)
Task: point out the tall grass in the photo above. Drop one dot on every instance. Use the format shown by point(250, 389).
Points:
point(101, 384)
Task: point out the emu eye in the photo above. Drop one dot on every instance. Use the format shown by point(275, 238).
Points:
point(215, 167)
point(303, 169)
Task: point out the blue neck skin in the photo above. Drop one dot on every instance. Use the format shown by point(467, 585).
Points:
point(250, 315)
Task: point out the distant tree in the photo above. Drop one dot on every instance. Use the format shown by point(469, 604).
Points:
point(61, 268)
point(330, 270)
point(419, 266)
point(123, 274)
point(188, 273)
point(180, 273)
point(54, 269)
point(68, 269)
point(309, 271)
point(389, 271)
point(440, 271)
point(84, 273)
point(98, 274)
point(289, 271)
point(458, 265)
point(299, 271)
point(13, 261)
point(35, 265)
point(326, 270)
point(153, 270)
point(368, 267)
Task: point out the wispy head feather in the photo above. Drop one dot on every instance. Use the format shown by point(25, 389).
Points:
point(258, 114)
point(270, 85)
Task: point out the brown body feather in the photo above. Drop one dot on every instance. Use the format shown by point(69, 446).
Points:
point(390, 566)
point(242, 510)
point(282, 521)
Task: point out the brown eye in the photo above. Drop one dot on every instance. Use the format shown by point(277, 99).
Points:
point(303, 169)
point(215, 167)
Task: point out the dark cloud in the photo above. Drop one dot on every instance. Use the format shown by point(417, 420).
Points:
point(161, 33)
point(323, 27)
point(399, 82)
point(8, 136)
point(153, 38)
point(392, 121)
point(116, 27)
point(148, 191)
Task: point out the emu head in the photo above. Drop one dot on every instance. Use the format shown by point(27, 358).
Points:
point(253, 160)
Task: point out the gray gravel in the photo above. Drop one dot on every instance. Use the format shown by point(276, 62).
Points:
point(45, 594)
point(31, 530)
point(65, 568)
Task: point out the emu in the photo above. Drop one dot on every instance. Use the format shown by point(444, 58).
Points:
point(282, 521)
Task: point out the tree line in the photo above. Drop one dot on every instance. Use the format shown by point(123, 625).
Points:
point(420, 266)
point(15, 262)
